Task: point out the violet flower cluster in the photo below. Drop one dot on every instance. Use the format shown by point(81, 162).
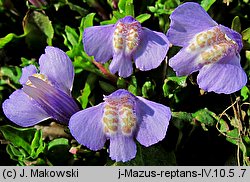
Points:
point(207, 47)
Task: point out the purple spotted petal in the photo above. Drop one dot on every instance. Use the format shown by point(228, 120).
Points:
point(222, 78)
point(151, 51)
point(122, 64)
point(23, 110)
point(187, 20)
point(26, 72)
point(86, 127)
point(57, 66)
point(183, 63)
point(122, 148)
point(153, 121)
point(97, 42)
point(127, 19)
point(55, 102)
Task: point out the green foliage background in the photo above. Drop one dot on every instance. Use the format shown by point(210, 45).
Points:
point(205, 129)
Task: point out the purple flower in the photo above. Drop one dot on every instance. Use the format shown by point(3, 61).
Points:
point(121, 117)
point(126, 41)
point(46, 94)
point(208, 47)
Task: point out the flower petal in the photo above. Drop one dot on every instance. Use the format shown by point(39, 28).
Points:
point(127, 20)
point(151, 51)
point(97, 41)
point(86, 127)
point(26, 72)
point(153, 119)
point(235, 36)
point(187, 20)
point(184, 63)
point(55, 102)
point(53, 59)
point(122, 148)
point(222, 78)
point(23, 110)
point(122, 64)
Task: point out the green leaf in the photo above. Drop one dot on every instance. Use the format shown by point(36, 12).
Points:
point(77, 8)
point(180, 118)
point(233, 137)
point(121, 82)
point(223, 126)
point(122, 5)
point(166, 89)
point(152, 9)
point(14, 153)
point(129, 8)
point(84, 62)
point(206, 4)
point(8, 38)
point(180, 80)
point(27, 62)
point(247, 64)
point(118, 15)
point(133, 88)
point(58, 151)
point(163, 8)
point(13, 73)
point(172, 85)
point(246, 34)
point(205, 116)
point(148, 89)
point(88, 20)
point(236, 25)
point(72, 36)
point(19, 137)
point(58, 141)
point(107, 22)
point(245, 93)
point(38, 28)
point(126, 7)
point(143, 17)
point(37, 144)
point(248, 55)
point(107, 87)
point(89, 86)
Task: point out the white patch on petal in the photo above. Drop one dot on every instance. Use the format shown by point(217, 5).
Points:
point(41, 77)
point(119, 115)
point(211, 46)
point(126, 37)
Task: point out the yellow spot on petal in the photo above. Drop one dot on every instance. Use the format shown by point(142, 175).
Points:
point(41, 77)
point(126, 37)
point(211, 45)
point(119, 117)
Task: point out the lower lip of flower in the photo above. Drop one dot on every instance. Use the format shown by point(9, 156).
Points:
point(212, 44)
point(126, 37)
point(119, 116)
